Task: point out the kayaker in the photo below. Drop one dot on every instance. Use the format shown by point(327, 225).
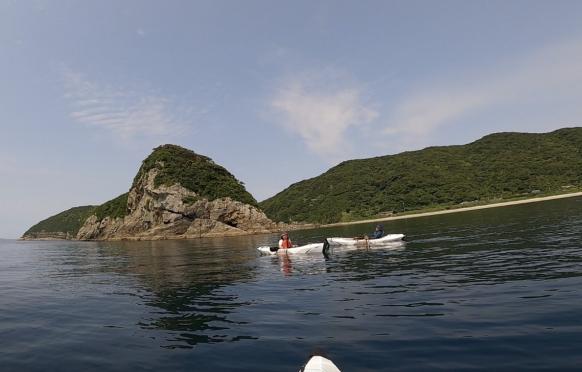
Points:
point(378, 233)
point(285, 242)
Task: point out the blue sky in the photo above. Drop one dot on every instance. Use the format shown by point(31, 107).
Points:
point(275, 91)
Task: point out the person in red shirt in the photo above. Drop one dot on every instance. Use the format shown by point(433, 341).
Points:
point(285, 242)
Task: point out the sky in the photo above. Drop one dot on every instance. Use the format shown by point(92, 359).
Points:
point(275, 91)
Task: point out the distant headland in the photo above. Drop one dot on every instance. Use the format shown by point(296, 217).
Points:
point(178, 194)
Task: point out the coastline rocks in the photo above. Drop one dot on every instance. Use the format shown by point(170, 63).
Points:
point(48, 235)
point(174, 212)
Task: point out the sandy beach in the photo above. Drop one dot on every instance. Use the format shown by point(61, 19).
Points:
point(458, 210)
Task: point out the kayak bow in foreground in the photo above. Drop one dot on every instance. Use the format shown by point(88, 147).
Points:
point(319, 364)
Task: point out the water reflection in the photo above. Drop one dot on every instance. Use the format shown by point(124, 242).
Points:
point(310, 264)
point(184, 281)
point(181, 282)
point(286, 266)
point(298, 265)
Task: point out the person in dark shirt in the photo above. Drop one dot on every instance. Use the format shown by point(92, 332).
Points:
point(378, 233)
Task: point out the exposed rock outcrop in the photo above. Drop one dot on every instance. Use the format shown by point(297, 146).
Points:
point(174, 212)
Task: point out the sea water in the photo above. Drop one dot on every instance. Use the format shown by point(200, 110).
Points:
point(496, 289)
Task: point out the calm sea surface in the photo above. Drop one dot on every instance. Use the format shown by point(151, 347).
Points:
point(497, 289)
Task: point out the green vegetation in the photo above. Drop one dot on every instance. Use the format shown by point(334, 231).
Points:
point(115, 208)
point(198, 173)
point(68, 222)
point(495, 168)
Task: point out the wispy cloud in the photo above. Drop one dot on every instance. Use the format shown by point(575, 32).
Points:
point(127, 113)
point(550, 74)
point(321, 112)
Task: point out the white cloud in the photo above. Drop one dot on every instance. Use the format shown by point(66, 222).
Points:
point(320, 114)
point(127, 113)
point(552, 72)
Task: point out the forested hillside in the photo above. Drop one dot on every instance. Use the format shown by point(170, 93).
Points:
point(63, 225)
point(498, 166)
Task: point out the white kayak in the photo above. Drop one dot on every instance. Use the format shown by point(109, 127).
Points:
point(390, 238)
point(319, 364)
point(303, 249)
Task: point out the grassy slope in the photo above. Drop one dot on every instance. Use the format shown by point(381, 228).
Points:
point(501, 165)
point(68, 221)
point(116, 208)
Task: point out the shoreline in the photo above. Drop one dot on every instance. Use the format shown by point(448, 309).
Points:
point(297, 227)
point(457, 210)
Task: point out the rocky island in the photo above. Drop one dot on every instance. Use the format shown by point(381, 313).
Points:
point(176, 194)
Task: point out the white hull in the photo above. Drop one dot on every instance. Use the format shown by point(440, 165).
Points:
point(303, 249)
point(390, 238)
point(319, 364)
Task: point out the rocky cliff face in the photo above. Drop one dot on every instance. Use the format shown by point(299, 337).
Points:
point(174, 212)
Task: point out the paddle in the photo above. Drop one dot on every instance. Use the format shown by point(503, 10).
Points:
point(326, 246)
